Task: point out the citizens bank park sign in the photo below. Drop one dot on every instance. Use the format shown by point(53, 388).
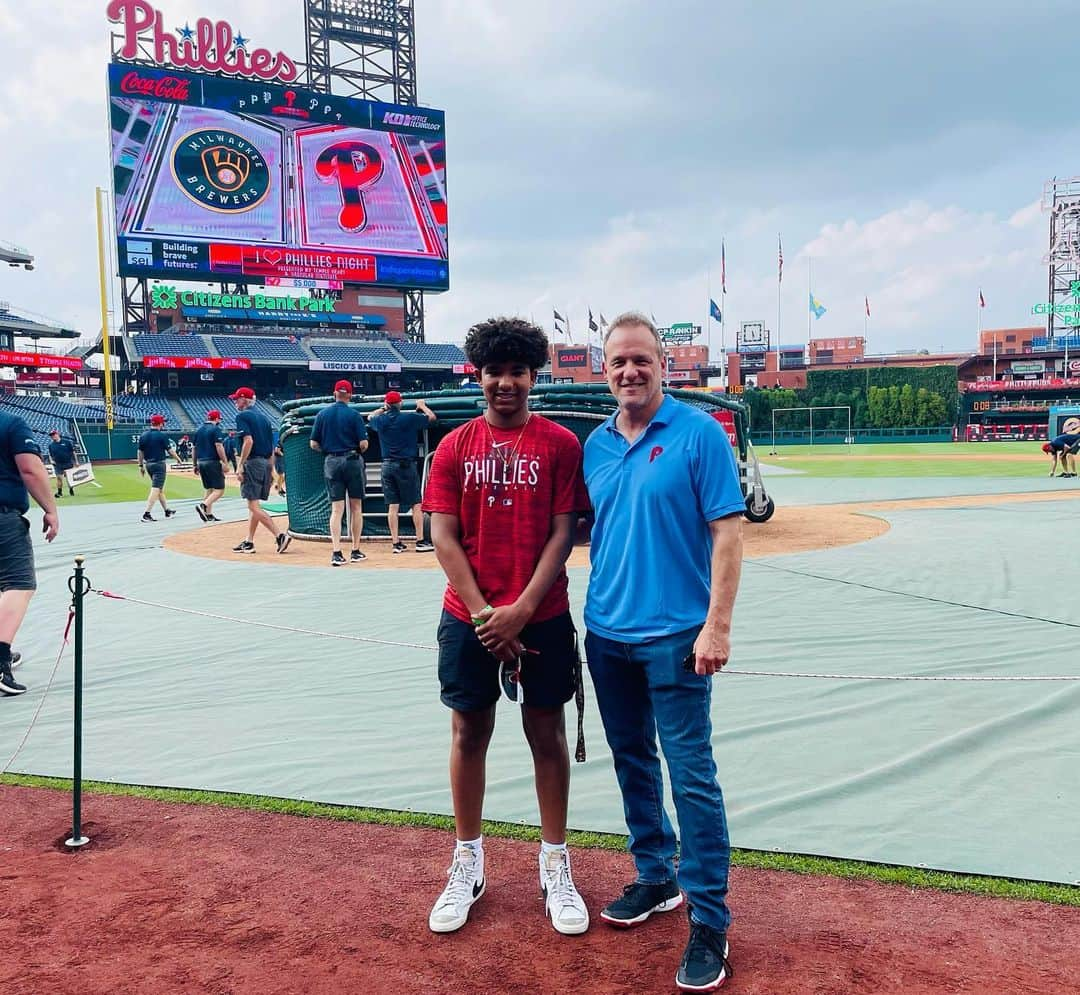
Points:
point(209, 46)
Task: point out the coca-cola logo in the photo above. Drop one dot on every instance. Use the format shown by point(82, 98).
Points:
point(211, 46)
point(161, 88)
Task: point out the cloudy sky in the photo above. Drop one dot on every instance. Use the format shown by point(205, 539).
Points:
point(599, 150)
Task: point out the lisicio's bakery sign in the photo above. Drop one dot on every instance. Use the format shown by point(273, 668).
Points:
point(209, 46)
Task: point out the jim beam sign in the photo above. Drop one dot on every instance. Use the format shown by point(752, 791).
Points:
point(209, 46)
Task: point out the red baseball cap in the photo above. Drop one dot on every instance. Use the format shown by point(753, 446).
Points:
point(242, 392)
point(157, 419)
point(344, 386)
point(392, 397)
point(1047, 448)
point(213, 415)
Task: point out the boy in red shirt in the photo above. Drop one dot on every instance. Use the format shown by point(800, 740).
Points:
point(504, 492)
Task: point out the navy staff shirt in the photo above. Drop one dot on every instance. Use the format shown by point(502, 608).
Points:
point(155, 445)
point(62, 454)
point(257, 425)
point(397, 432)
point(15, 439)
point(339, 429)
point(206, 439)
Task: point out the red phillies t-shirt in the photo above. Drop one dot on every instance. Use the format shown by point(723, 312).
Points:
point(504, 485)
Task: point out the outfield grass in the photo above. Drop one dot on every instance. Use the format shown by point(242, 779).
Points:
point(915, 459)
point(122, 483)
point(908, 877)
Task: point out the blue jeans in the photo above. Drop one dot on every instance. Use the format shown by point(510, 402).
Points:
point(642, 690)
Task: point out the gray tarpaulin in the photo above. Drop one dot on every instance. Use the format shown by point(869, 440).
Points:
point(964, 776)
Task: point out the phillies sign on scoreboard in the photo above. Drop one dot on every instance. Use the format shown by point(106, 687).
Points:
point(195, 363)
point(243, 177)
point(39, 360)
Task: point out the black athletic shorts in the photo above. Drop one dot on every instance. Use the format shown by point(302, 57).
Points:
point(156, 472)
point(344, 475)
point(400, 482)
point(212, 474)
point(16, 553)
point(256, 483)
point(469, 674)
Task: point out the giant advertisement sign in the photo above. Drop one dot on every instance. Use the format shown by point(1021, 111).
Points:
point(241, 180)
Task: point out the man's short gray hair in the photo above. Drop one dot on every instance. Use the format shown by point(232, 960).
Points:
point(635, 318)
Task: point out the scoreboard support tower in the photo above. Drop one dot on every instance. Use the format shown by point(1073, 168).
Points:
point(368, 47)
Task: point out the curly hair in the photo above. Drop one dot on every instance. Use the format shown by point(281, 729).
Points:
point(506, 340)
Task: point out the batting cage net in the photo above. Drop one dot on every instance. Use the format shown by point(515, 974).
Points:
point(578, 407)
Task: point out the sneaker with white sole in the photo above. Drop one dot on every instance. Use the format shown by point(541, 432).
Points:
point(399, 547)
point(283, 539)
point(423, 546)
point(639, 901)
point(16, 659)
point(8, 684)
point(200, 510)
point(356, 556)
point(244, 547)
point(337, 558)
point(563, 903)
point(705, 965)
point(465, 885)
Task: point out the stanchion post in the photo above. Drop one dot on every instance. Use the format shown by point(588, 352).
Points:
point(78, 591)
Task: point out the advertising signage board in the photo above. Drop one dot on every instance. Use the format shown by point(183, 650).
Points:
point(349, 367)
point(225, 180)
point(195, 363)
point(572, 357)
point(39, 360)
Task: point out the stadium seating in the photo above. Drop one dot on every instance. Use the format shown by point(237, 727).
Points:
point(167, 344)
point(39, 422)
point(44, 408)
point(196, 406)
point(139, 407)
point(429, 352)
point(337, 353)
point(258, 348)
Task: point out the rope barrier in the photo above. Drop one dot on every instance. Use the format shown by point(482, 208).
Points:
point(974, 678)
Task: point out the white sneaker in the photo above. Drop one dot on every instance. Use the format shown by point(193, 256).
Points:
point(564, 905)
point(466, 885)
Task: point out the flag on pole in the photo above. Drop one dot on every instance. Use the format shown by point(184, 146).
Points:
point(982, 300)
point(816, 306)
point(593, 326)
point(558, 317)
point(714, 311)
point(653, 316)
point(780, 259)
point(603, 320)
point(866, 301)
point(723, 268)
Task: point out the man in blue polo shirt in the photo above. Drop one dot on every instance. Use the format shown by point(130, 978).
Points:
point(340, 435)
point(62, 457)
point(154, 447)
point(21, 474)
point(666, 555)
point(398, 431)
point(253, 469)
point(211, 464)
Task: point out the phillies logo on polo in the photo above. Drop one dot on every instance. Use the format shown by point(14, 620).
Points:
point(220, 170)
point(210, 46)
point(656, 451)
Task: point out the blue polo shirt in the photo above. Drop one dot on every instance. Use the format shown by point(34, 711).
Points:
point(398, 431)
point(155, 445)
point(15, 438)
point(651, 546)
point(339, 429)
point(206, 440)
point(62, 454)
point(257, 425)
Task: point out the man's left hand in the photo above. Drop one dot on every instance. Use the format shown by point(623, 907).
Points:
point(503, 625)
point(711, 651)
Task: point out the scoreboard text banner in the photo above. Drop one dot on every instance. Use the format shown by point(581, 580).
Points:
point(317, 365)
point(195, 363)
point(39, 360)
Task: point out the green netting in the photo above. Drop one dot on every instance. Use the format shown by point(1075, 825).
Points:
point(578, 407)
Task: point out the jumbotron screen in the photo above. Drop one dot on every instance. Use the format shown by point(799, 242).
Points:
point(234, 180)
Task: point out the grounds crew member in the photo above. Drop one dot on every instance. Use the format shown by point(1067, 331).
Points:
point(340, 435)
point(230, 448)
point(154, 447)
point(210, 464)
point(62, 456)
point(1066, 445)
point(666, 554)
point(22, 474)
point(504, 493)
point(253, 469)
point(398, 432)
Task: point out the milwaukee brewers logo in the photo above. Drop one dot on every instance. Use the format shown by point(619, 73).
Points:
point(220, 170)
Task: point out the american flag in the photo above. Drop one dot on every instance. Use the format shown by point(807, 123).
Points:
point(780, 260)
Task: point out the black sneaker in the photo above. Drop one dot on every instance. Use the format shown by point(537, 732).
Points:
point(147, 517)
point(244, 547)
point(357, 556)
point(8, 684)
point(16, 659)
point(639, 901)
point(283, 540)
point(169, 512)
point(212, 518)
point(71, 493)
point(400, 547)
point(338, 559)
point(200, 510)
point(423, 546)
point(704, 966)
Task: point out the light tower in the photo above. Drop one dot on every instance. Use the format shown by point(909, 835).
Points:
point(1061, 200)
